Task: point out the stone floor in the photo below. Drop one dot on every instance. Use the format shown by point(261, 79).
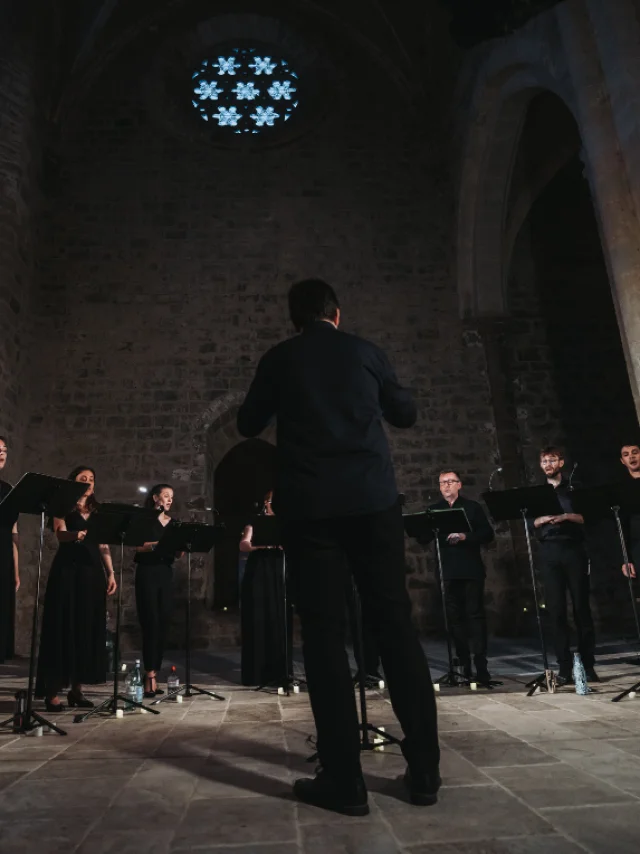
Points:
point(554, 774)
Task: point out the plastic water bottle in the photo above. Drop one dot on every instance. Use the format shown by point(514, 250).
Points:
point(134, 685)
point(579, 675)
point(173, 683)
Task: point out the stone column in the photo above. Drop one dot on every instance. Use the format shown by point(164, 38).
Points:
point(616, 30)
point(619, 225)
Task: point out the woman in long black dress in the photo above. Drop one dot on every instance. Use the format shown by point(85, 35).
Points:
point(262, 616)
point(9, 572)
point(72, 643)
point(153, 589)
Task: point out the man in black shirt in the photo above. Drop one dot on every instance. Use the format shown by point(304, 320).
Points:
point(566, 568)
point(464, 575)
point(335, 489)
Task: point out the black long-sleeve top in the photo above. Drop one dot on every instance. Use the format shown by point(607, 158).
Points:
point(464, 559)
point(330, 393)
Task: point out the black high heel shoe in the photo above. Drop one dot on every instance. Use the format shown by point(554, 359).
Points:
point(54, 707)
point(151, 692)
point(79, 701)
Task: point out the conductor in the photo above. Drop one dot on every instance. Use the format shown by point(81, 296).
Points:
point(330, 392)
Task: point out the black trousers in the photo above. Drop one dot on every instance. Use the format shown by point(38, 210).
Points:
point(566, 570)
point(467, 618)
point(153, 602)
point(374, 548)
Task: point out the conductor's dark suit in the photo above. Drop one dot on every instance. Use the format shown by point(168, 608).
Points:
point(336, 492)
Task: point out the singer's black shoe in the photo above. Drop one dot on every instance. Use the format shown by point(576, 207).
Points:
point(592, 676)
point(348, 797)
point(54, 707)
point(564, 677)
point(422, 787)
point(79, 701)
point(483, 676)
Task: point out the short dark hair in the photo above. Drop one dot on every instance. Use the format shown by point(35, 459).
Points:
point(311, 300)
point(155, 490)
point(552, 451)
point(3, 439)
point(450, 471)
point(623, 445)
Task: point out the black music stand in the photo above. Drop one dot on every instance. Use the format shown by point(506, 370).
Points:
point(433, 524)
point(381, 738)
point(190, 538)
point(38, 495)
point(119, 525)
point(602, 502)
point(525, 503)
point(267, 531)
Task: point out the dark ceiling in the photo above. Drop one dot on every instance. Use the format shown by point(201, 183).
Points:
point(89, 33)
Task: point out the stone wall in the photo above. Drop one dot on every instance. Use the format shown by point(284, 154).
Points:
point(164, 276)
point(19, 147)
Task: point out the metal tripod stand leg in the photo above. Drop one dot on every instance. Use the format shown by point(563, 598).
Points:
point(545, 681)
point(188, 690)
point(288, 680)
point(110, 706)
point(366, 728)
point(31, 720)
point(451, 679)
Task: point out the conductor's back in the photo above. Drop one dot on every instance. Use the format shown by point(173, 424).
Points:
point(335, 490)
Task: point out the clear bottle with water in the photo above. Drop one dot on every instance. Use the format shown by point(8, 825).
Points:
point(173, 683)
point(579, 675)
point(134, 684)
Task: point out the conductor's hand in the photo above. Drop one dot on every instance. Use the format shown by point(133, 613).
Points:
point(543, 520)
point(80, 536)
point(111, 585)
point(629, 570)
point(456, 538)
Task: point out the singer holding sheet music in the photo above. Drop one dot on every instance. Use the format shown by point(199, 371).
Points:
point(565, 567)
point(9, 572)
point(154, 571)
point(72, 643)
point(464, 577)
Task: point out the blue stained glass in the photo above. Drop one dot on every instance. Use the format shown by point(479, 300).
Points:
point(229, 99)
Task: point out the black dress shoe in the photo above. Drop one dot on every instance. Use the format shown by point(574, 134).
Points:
point(54, 707)
point(79, 700)
point(483, 676)
point(158, 691)
point(346, 797)
point(563, 678)
point(592, 676)
point(422, 788)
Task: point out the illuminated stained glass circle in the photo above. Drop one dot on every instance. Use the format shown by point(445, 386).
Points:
point(245, 90)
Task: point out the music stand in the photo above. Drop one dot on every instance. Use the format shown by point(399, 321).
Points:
point(38, 495)
point(433, 524)
point(601, 502)
point(267, 531)
point(190, 538)
point(381, 737)
point(119, 525)
point(524, 503)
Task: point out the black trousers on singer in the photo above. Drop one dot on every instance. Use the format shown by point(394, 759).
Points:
point(565, 569)
point(374, 548)
point(467, 618)
point(153, 602)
